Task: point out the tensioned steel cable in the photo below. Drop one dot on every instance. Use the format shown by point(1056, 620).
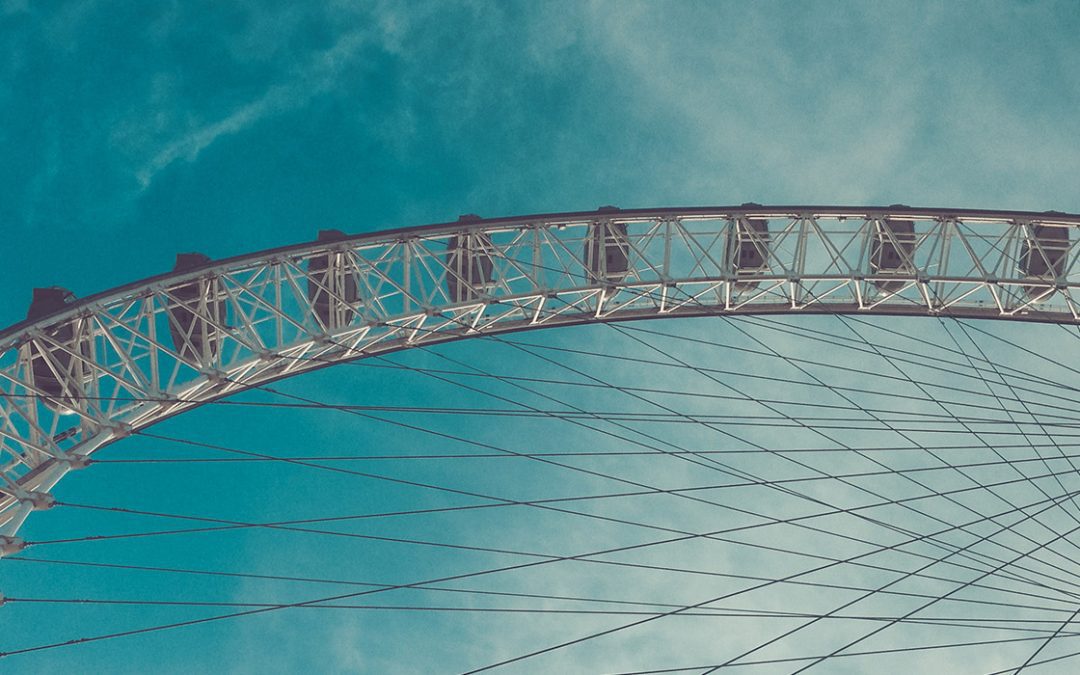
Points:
point(1027, 410)
point(803, 465)
point(725, 596)
point(1073, 616)
point(914, 611)
point(1055, 659)
point(842, 396)
point(778, 481)
point(977, 435)
point(871, 652)
point(846, 605)
point(399, 586)
point(609, 324)
point(920, 418)
point(831, 366)
point(1057, 633)
point(742, 614)
point(769, 518)
point(1071, 412)
point(844, 445)
point(742, 528)
point(558, 453)
point(899, 370)
point(840, 341)
point(497, 339)
point(985, 382)
point(765, 644)
point(473, 591)
point(1063, 489)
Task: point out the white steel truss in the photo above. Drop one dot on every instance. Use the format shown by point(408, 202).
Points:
point(79, 378)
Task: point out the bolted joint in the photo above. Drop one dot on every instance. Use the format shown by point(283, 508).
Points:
point(75, 462)
point(120, 430)
point(10, 545)
point(38, 501)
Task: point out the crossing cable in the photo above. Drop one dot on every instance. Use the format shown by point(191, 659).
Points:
point(572, 453)
point(921, 607)
point(935, 458)
point(778, 481)
point(760, 646)
point(286, 525)
point(637, 484)
point(1027, 410)
point(499, 340)
point(725, 596)
point(770, 482)
point(975, 435)
point(1067, 413)
point(840, 341)
point(830, 366)
point(746, 511)
point(1055, 659)
point(1045, 544)
point(1049, 639)
point(1071, 412)
point(472, 591)
point(978, 624)
point(629, 416)
point(926, 394)
point(846, 446)
point(414, 584)
point(872, 652)
point(803, 465)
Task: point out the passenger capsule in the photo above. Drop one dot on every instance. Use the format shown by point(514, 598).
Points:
point(1042, 256)
point(196, 312)
point(891, 252)
point(332, 286)
point(749, 242)
point(607, 251)
point(54, 368)
point(470, 267)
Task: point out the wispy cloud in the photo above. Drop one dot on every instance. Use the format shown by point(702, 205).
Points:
point(316, 77)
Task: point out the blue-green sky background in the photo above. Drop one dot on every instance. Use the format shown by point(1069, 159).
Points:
point(131, 131)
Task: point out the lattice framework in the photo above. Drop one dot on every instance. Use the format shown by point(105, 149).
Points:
point(130, 357)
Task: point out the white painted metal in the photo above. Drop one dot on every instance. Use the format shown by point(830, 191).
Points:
point(255, 320)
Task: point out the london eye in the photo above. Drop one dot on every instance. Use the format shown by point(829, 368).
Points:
point(763, 438)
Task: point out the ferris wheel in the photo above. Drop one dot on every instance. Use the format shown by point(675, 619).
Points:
point(824, 461)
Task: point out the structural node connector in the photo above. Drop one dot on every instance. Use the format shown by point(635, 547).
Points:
point(10, 545)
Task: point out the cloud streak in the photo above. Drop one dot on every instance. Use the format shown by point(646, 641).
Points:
point(316, 77)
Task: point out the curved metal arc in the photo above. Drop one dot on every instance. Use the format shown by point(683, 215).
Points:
point(498, 224)
point(394, 289)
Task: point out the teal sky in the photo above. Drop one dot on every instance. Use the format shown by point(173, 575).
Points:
point(131, 131)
